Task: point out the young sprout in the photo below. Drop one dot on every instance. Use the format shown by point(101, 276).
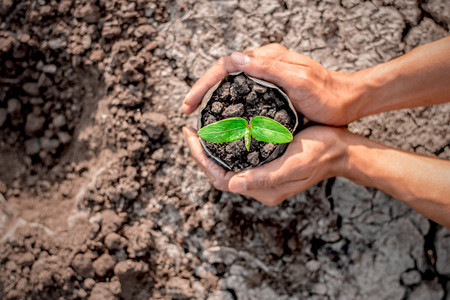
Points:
point(232, 129)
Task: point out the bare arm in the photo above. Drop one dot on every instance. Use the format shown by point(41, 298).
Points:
point(418, 78)
point(423, 182)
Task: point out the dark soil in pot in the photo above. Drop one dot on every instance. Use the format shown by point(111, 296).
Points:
point(240, 96)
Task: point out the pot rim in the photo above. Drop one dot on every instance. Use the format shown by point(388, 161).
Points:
point(207, 97)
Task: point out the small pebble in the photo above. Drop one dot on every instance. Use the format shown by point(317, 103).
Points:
point(56, 44)
point(64, 137)
point(31, 88)
point(313, 265)
point(10, 265)
point(50, 69)
point(59, 121)
point(32, 146)
point(320, 289)
point(13, 106)
point(86, 41)
point(34, 124)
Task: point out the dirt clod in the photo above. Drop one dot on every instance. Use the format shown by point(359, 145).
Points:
point(82, 264)
point(24, 259)
point(217, 107)
point(153, 124)
point(102, 290)
point(113, 241)
point(235, 110)
point(103, 264)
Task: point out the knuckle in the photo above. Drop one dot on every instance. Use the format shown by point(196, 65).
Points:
point(249, 49)
point(271, 198)
point(308, 74)
point(263, 182)
point(277, 46)
point(220, 61)
point(218, 184)
point(273, 201)
point(266, 65)
point(266, 200)
point(270, 202)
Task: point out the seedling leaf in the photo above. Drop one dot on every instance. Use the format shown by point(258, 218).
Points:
point(223, 131)
point(267, 130)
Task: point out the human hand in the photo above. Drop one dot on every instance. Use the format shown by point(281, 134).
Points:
point(315, 154)
point(321, 95)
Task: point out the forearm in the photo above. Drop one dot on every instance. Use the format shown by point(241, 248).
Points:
point(418, 78)
point(420, 181)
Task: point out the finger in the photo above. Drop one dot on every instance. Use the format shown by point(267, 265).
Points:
point(273, 50)
point(275, 195)
point(249, 49)
point(279, 171)
point(193, 99)
point(216, 174)
point(278, 52)
point(271, 70)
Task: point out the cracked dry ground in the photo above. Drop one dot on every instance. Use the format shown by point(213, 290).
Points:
point(100, 199)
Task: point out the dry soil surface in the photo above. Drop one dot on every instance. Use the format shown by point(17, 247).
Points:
point(100, 199)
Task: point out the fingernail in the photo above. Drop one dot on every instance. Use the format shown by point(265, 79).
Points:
point(239, 59)
point(187, 96)
point(239, 184)
point(184, 108)
point(186, 130)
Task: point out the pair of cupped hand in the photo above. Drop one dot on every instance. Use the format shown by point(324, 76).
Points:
point(316, 153)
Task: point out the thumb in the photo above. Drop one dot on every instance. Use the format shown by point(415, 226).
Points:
point(262, 177)
point(265, 68)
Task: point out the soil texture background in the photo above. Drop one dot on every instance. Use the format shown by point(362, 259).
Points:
point(100, 199)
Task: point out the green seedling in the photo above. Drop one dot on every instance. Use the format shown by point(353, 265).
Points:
point(232, 129)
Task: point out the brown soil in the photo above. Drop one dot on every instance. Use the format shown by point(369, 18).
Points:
point(239, 96)
point(100, 198)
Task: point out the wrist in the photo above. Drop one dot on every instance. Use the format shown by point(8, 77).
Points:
point(371, 91)
point(354, 161)
point(361, 163)
point(350, 89)
point(339, 154)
